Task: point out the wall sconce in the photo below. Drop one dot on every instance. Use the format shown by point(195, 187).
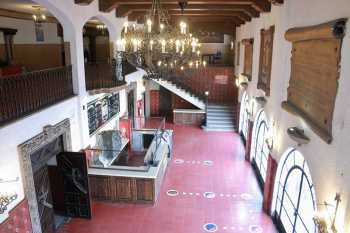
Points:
point(298, 135)
point(261, 100)
point(242, 81)
point(325, 221)
point(270, 137)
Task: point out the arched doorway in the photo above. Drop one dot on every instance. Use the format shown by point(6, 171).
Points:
point(98, 56)
point(260, 150)
point(244, 117)
point(294, 196)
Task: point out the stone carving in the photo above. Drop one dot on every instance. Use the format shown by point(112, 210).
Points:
point(49, 134)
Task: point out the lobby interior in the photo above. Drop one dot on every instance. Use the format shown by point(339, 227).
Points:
point(150, 116)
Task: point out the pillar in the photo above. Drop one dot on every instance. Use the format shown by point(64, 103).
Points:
point(249, 140)
point(269, 184)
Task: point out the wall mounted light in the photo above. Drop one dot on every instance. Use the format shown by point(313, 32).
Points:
point(325, 220)
point(298, 135)
point(270, 136)
point(242, 81)
point(261, 100)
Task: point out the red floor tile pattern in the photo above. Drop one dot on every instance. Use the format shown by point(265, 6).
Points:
point(229, 174)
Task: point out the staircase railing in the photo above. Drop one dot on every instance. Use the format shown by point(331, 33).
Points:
point(26, 93)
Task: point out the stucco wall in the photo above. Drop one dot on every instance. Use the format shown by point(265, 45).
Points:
point(329, 164)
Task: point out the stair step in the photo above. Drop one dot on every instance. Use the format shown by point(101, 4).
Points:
point(220, 122)
point(219, 107)
point(220, 114)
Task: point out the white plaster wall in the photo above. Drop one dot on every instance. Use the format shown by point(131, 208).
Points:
point(11, 136)
point(26, 31)
point(329, 164)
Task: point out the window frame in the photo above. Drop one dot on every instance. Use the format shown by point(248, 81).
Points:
point(281, 186)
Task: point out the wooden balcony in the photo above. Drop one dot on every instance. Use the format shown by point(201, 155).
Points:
point(101, 77)
point(23, 94)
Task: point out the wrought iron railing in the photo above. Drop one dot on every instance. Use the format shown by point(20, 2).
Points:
point(26, 93)
point(101, 75)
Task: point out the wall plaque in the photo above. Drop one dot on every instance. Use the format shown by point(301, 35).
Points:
point(313, 85)
point(248, 57)
point(265, 63)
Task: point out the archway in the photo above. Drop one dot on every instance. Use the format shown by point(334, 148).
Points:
point(98, 55)
point(244, 116)
point(260, 150)
point(294, 202)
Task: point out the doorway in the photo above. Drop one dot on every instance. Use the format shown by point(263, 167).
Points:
point(55, 181)
point(131, 106)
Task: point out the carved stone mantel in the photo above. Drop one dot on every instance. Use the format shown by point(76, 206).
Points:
point(49, 134)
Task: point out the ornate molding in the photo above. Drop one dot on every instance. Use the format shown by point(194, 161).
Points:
point(49, 134)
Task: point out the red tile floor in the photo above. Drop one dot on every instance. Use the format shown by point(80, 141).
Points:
point(228, 177)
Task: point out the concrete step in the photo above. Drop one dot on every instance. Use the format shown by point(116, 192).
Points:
point(220, 114)
point(219, 129)
point(220, 122)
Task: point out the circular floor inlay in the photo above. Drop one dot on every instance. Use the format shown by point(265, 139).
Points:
point(209, 195)
point(246, 196)
point(208, 163)
point(172, 192)
point(255, 229)
point(179, 161)
point(210, 227)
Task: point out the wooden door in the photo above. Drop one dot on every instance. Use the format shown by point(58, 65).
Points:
point(73, 167)
point(44, 199)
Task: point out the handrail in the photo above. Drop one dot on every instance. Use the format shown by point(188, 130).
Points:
point(101, 75)
point(23, 94)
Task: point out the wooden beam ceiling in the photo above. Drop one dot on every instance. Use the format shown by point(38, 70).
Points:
point(230, 13)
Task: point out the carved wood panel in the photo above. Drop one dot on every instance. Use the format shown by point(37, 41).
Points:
point(144, 189)
point(248, 57)
point(265, 62)
point(315, 64)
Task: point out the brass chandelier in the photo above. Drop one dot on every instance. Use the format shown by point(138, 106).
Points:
point(159, 47)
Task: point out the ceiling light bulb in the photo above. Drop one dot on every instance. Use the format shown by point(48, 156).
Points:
point(182, 68)
point(43, 17)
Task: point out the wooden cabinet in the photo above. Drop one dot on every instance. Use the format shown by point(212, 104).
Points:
point(100, 187)
point(122, 189)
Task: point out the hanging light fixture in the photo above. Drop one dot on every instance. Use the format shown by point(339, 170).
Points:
point(39, 17)
point(159, 47)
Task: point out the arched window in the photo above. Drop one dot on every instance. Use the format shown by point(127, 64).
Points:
point(260, 150)
point(244, 116)
point(294, 195)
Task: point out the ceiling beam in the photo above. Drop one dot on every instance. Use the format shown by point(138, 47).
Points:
point(124, 10)
point(260, 5)
point(188, 14)
point(83, 2)
point(107, 5)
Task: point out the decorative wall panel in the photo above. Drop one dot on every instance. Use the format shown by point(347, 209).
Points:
point(248, 57)
point(265, 63)
point(313, 85)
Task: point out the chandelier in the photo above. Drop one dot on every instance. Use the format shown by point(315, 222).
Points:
point(159, 47)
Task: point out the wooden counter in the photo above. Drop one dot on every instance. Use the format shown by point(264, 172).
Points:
point(193, 117)
point(134, 185)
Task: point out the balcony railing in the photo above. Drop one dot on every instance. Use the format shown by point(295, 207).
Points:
point(101, 75)
point(26, 93)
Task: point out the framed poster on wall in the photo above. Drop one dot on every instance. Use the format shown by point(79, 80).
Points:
point(265, 63)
